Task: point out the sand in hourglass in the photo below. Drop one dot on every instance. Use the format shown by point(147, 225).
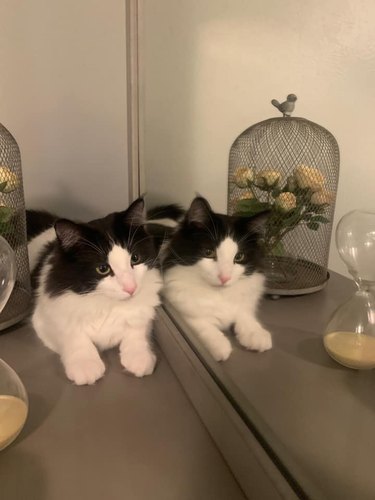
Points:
point(354, 350)
point(13, 413)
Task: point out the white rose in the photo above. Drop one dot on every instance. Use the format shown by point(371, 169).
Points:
point(243, 175)
point(247, 196)
point(267, 178)
point(322, 198)
point(309, 177)
point(286, 202)
point(6, 175)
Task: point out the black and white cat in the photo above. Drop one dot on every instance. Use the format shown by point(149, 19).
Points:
point(211, 276)
point(97, 286)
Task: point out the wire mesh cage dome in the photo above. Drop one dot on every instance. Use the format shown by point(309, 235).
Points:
point(289, 167)
point(13, 228)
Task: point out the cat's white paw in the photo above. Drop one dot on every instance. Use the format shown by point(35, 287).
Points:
point(83, 371)
point(257, 339)
point(139, 363)
point(220, 349)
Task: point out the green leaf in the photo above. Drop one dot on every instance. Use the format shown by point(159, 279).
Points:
point(6, 214)
point(278, 250)
point(320, 218)
point(3, 185)
point(251, 207)
point(318, 209)
point(313, 225)
point(292, 218)
point(307, 216)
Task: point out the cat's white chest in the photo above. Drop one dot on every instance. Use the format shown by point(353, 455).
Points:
point(218, 305)
point(103, 320)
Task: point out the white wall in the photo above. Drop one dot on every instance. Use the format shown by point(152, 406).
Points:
point(63, 96)
point(211, 68)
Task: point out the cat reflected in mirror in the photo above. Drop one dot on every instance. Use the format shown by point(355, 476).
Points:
point(211, 269)
point(97, 286)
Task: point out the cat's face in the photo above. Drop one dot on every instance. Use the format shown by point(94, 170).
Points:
point(220, 248)
point(109, 256)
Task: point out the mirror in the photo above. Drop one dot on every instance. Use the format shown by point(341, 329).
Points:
point(209, 70)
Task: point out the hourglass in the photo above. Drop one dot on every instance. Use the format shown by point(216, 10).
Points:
point(350, 334)
point(13, 397)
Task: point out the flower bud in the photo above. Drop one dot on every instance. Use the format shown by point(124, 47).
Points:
point(247, 196)
point(309, 177)
point(286, 202)
point(6, 175)
point(322, 198)
point(267, 178)
point(243, 175)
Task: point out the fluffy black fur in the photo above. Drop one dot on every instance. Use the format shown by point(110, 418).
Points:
point(38, 221)
point(173, 211)
point(81, 248)
point(160, 232)
point(202, 230)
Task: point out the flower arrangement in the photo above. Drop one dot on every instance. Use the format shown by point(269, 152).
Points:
point(9, 182)
point(300, 199)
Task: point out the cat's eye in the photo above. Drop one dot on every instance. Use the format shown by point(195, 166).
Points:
point(209, 253)
point(135, 258)
point(239, 257)
point(103, 269)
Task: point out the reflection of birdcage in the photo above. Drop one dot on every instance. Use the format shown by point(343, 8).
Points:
point(13, 227)
point(290, 167)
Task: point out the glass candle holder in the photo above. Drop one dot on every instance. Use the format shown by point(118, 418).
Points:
point(350, 334)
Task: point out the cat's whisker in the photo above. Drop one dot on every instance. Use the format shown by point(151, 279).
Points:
point(110, 238)
point(214, 226)
point(180, 259)
point(245, 237)
point(148, 237)
point(92, 245)
point(132, 234)
point(213, 236)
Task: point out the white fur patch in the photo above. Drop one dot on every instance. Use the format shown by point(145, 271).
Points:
point(223, 266)
point(126, 280)
point(163, 222)
point(36, 246)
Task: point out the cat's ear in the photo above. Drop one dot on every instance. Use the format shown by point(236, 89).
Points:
point(199, 212)
point(257, 223)
point(135, 215)
point(68, 233)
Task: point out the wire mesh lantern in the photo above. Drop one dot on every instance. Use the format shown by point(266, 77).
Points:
point(13, 228)
point(288, 166)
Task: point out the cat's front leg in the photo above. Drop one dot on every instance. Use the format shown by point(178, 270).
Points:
point(81, 360)
point(135, 351)
point(214, 339)
point(251, 334)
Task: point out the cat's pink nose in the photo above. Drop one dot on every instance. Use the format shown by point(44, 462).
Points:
point(130, 289)
point(223, 278)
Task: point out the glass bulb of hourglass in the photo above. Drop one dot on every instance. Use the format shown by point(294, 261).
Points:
point(13, 397)
point(355, 241)
point(350, 334)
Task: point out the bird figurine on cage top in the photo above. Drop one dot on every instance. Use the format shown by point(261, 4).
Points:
point(286, 107)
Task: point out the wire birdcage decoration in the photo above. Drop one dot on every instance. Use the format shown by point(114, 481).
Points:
point(289, 167)
point(13, 228)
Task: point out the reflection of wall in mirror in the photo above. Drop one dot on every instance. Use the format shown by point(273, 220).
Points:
point(210, 69)
point(63, 96)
